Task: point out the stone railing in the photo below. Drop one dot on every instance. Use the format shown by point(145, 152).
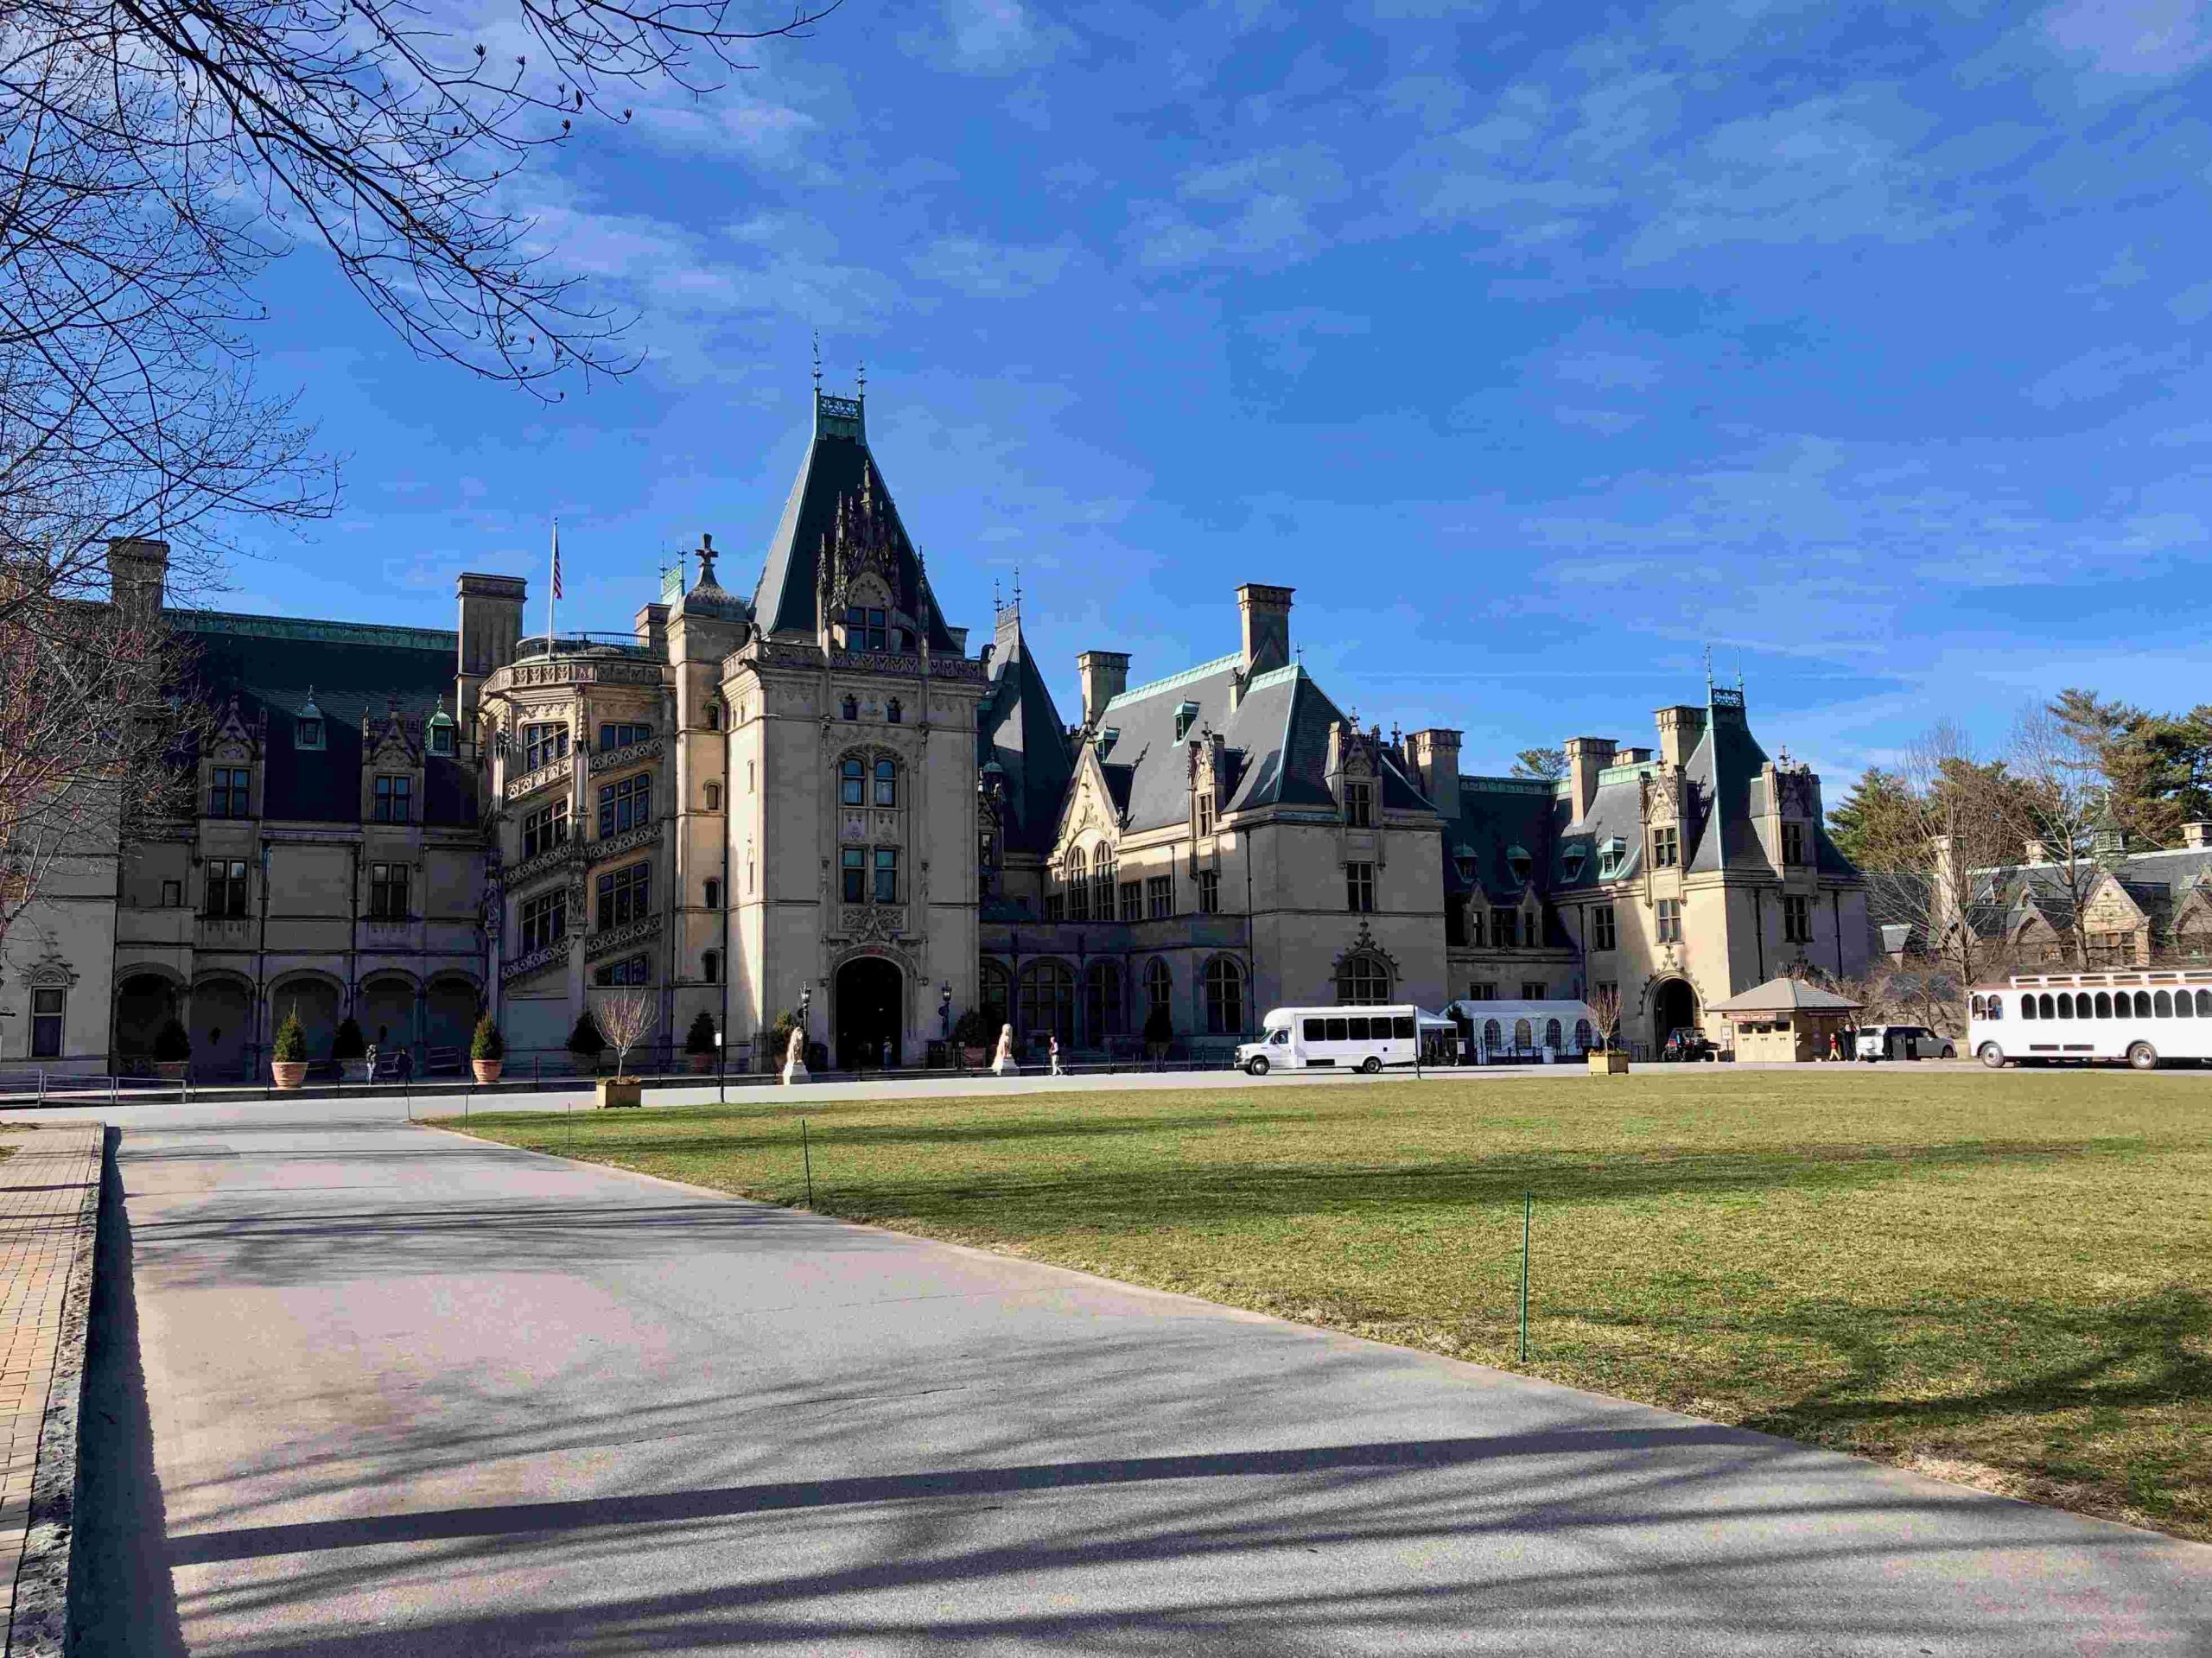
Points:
point(536, 962)
point(544, 777)
point(573, 670)
point(615, 846)
point(604, 760)
point(608, 940)
point(554, 857)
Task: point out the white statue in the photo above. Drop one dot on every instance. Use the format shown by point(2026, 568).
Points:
point(1003, 1062)
point(795, 1056)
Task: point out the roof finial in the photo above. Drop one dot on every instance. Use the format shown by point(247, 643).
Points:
point(1017, 587)
point(1708, 673)
point(817, 361)
point(863, 380)
point(998, 603)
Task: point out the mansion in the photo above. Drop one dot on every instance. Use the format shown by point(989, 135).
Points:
point(824, 797)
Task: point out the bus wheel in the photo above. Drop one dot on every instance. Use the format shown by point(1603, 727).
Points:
point(1370, 1065)
point(1258, 1067)
point(2142, 1057)
point(1993, 1055)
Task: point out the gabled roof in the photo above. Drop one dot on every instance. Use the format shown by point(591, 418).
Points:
point(1019, 728)
point(355, 672)
point(1722, 770)
point(838, 464)
point(1785, 995)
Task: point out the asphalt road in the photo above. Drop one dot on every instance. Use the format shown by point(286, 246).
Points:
point(361, 1387)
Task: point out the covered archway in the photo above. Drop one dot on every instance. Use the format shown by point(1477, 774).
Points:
point(1673, 1007)
point(143, 1003)
point(866, 997)
point(387, 1011)
point(453, 1002)
point(222, 1027)
point(315, 999)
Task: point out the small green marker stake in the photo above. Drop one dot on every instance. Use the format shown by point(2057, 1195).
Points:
point(806, 1153)
point(1528, 1211)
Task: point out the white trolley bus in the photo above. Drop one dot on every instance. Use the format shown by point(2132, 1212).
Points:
point(2148, 1018)
point(1351, 1038)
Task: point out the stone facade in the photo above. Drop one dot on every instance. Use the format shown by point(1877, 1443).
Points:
point(818, 798)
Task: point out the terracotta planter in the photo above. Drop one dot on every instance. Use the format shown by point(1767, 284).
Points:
point(620, 1092)
point(701, 1064)
point(1609, 1064)
point(288, 1074)
point(975, 1058)
point(173, 1070)
point(488, 1071)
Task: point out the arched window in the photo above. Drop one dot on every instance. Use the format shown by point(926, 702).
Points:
point(1048, 1000)
point(1551, 1033)
point(1224, 997)
point(1102, 1001)
point(1997, 1007)
point(711, 966)
point(1584, 1037)
point(2065, 1005)
point(1524, 1036)
point(852, 781)
point(714, 714)
point(892, 712)
point(1158, 987)
point(713, 796)
point(2182, 1007)
point(2142, 1004)
point(1078, 877)
point(2104, 1004)
point(887, 782)
point(2204, 1004)
point(1976, 1007)
point(1493, 1036)
point(994, 992)
point(2162, 1005)
point(2046, 1005)
point(2027, 1008)
point(1362, 980)
point(1102, 884)
point(850, 708)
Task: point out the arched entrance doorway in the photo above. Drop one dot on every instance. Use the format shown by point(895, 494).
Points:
point(1673, 1006)
point(143, 1005)
point(867, 991)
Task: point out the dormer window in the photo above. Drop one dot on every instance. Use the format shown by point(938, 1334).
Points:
point(1206, 814)
point(1571, 865)
point(1793, 843)
point(441, 738)
point(1359, 805)
point(1609, 858)
point(307, 731)
point(1465, 857)
point(867, 628)
point(1519, 862)
point(1186, 714)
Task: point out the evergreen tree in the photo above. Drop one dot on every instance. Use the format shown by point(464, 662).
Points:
point(1547, 763)
point(1877, 824)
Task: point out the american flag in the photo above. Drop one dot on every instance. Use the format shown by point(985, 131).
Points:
point(556, 559)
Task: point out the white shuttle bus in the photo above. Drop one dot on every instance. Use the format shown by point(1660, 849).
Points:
point(1345, 1038)
point(2148, 1018)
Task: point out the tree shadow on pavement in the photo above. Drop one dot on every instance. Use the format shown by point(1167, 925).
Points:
point(122, 1600)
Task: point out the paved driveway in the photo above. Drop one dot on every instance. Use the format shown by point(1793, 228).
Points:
point(404, 1393)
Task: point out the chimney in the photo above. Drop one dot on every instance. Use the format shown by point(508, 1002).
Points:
point(1631, 757)
point(1105, 676)
point(651, 626)
point(1266, 612)
point(137, 570)
point(491, 629)
point(2197, 835)
point(1679, 727)
point(1585, 758)
point(1435, 754)
point(2034, 851)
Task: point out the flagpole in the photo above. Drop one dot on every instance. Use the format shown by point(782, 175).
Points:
point(553, 586)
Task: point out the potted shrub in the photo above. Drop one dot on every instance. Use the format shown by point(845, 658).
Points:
point(699, 1043)
point(488, 1051)
point(288, 1059)
point(586, 1044)
point(627, 1017)
point(974, 1032)
point(172, 1051)
point(780, 1041)
point(350, 1051)
point(1606, 1060)
point(1159, 1035)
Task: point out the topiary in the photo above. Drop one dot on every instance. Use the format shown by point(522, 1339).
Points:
point(171, 1044)
point(779, 1036)
point(975, 1029)
point(487, 1043)
point(348, 1042)
point(700, 1039)
point(291, 1047)
point(585, 1040)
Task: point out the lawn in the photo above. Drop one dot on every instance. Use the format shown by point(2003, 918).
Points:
point(2003, 1279)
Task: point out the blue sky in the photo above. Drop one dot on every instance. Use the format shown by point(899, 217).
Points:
point(1537, 349)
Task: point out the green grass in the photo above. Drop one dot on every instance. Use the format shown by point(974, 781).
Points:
point(2002, 1279)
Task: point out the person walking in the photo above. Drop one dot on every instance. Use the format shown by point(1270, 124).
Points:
point(1055, 1051)
point(406, 1063)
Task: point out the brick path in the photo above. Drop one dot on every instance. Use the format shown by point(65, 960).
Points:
point(49, 1192)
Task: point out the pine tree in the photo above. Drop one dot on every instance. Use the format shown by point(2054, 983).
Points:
point(1877, 824)
point(1547, 763)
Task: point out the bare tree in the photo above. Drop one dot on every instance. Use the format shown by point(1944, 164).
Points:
point(2061, 812)
point(627, 1018)
point(1957, 827)
point(1605, 1005)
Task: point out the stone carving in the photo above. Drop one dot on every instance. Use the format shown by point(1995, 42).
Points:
point(795, 1068)
point(1003, 1062)
point(608, 940)
point(872, 922)
point(545, 776)
point(553, 858)
point(616, 846)
point(536, 962)
point(635, 754)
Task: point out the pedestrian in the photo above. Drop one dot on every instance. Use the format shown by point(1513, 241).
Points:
point(371, 1057)
point(406, 1063)
point(1835, 1046)
point(1056, 1055)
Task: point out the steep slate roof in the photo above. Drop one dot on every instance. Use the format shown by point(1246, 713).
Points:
point(836, 463)
point(1723, 772)
point(1019, 728)
point(1276, 742)
point(2005, 893)
point(355, 671)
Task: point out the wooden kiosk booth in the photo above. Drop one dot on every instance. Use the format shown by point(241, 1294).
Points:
point(1788, 1020)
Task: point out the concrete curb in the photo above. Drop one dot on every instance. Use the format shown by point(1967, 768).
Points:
point(38, 1625)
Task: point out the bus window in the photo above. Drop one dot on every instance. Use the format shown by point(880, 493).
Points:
point(2142, 1004)
point(2044, 1007)
point(1977, 1009)
point(2162, 1005)
point(2104, 1005)
point(1997, 1007)
point(1336, 1030)
point(2204, 1004)
point(2027, 1007)
point(2065, 1005)
point(2181, 1008)
point(1316, 1031)
point(1401, 1025)
point(1356, 1029)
